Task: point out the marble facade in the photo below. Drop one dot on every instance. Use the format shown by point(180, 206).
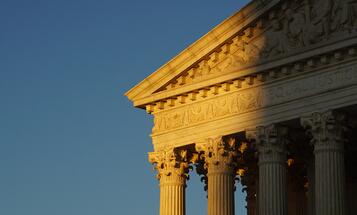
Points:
point(269, 96)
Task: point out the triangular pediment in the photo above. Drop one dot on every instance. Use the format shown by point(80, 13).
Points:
point(197, 51)
point(258, 37)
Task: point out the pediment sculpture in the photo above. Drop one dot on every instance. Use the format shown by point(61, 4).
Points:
point(289, 28)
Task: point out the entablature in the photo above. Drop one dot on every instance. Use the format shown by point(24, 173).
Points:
point(312, 62)
point(225, 114)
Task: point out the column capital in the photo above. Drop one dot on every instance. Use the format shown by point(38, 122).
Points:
point(172, 165)
point(326, 128)
point(218, 152)
point(268, 139)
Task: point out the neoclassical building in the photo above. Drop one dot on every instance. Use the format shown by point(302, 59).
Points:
point(267, 99)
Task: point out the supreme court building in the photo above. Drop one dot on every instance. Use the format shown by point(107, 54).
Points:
point(268, 97)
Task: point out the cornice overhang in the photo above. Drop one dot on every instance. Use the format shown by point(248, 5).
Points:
point(276, 69)
point(144, 92)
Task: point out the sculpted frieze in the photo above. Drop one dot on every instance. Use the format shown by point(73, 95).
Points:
point(254, 98)
point(292, 27)
point(309, 22)
point(200, 112)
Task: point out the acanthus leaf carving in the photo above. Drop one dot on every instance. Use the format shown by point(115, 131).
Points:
point(173, 164)
point(327, 129)
point(218, 152)
point(216, 155)
point(270, 141)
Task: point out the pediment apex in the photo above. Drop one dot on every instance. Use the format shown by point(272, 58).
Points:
point(198, 50)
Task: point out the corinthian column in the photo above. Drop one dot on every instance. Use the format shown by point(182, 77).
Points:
point(327, 131)
point(219, 167)
point(172, 167)
point(270, 142)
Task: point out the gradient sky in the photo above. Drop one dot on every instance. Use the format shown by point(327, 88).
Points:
point(70, 142)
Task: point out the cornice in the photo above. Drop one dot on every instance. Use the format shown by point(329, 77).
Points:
point(289, 91)
point(313, 62)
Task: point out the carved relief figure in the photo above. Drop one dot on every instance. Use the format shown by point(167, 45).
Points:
point(288, 33)
point(308, 22)
point(206, 111)
point(275, 40)
point(295, 28)
point(320, 18)
point(246, 52)
point(345, 15)
point(297, 24)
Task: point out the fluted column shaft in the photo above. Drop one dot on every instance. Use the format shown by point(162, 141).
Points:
point(271, 141)
point(329, 172)
point(327, 137)
point(272, 184)
point(172, 195)
point(220, 190)
point(218, 156)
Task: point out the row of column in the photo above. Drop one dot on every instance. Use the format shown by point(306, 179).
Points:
point(219, 166)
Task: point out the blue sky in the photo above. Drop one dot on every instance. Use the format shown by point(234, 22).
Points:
point(70, 142)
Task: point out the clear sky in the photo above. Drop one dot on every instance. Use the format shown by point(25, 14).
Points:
point(70, 142)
